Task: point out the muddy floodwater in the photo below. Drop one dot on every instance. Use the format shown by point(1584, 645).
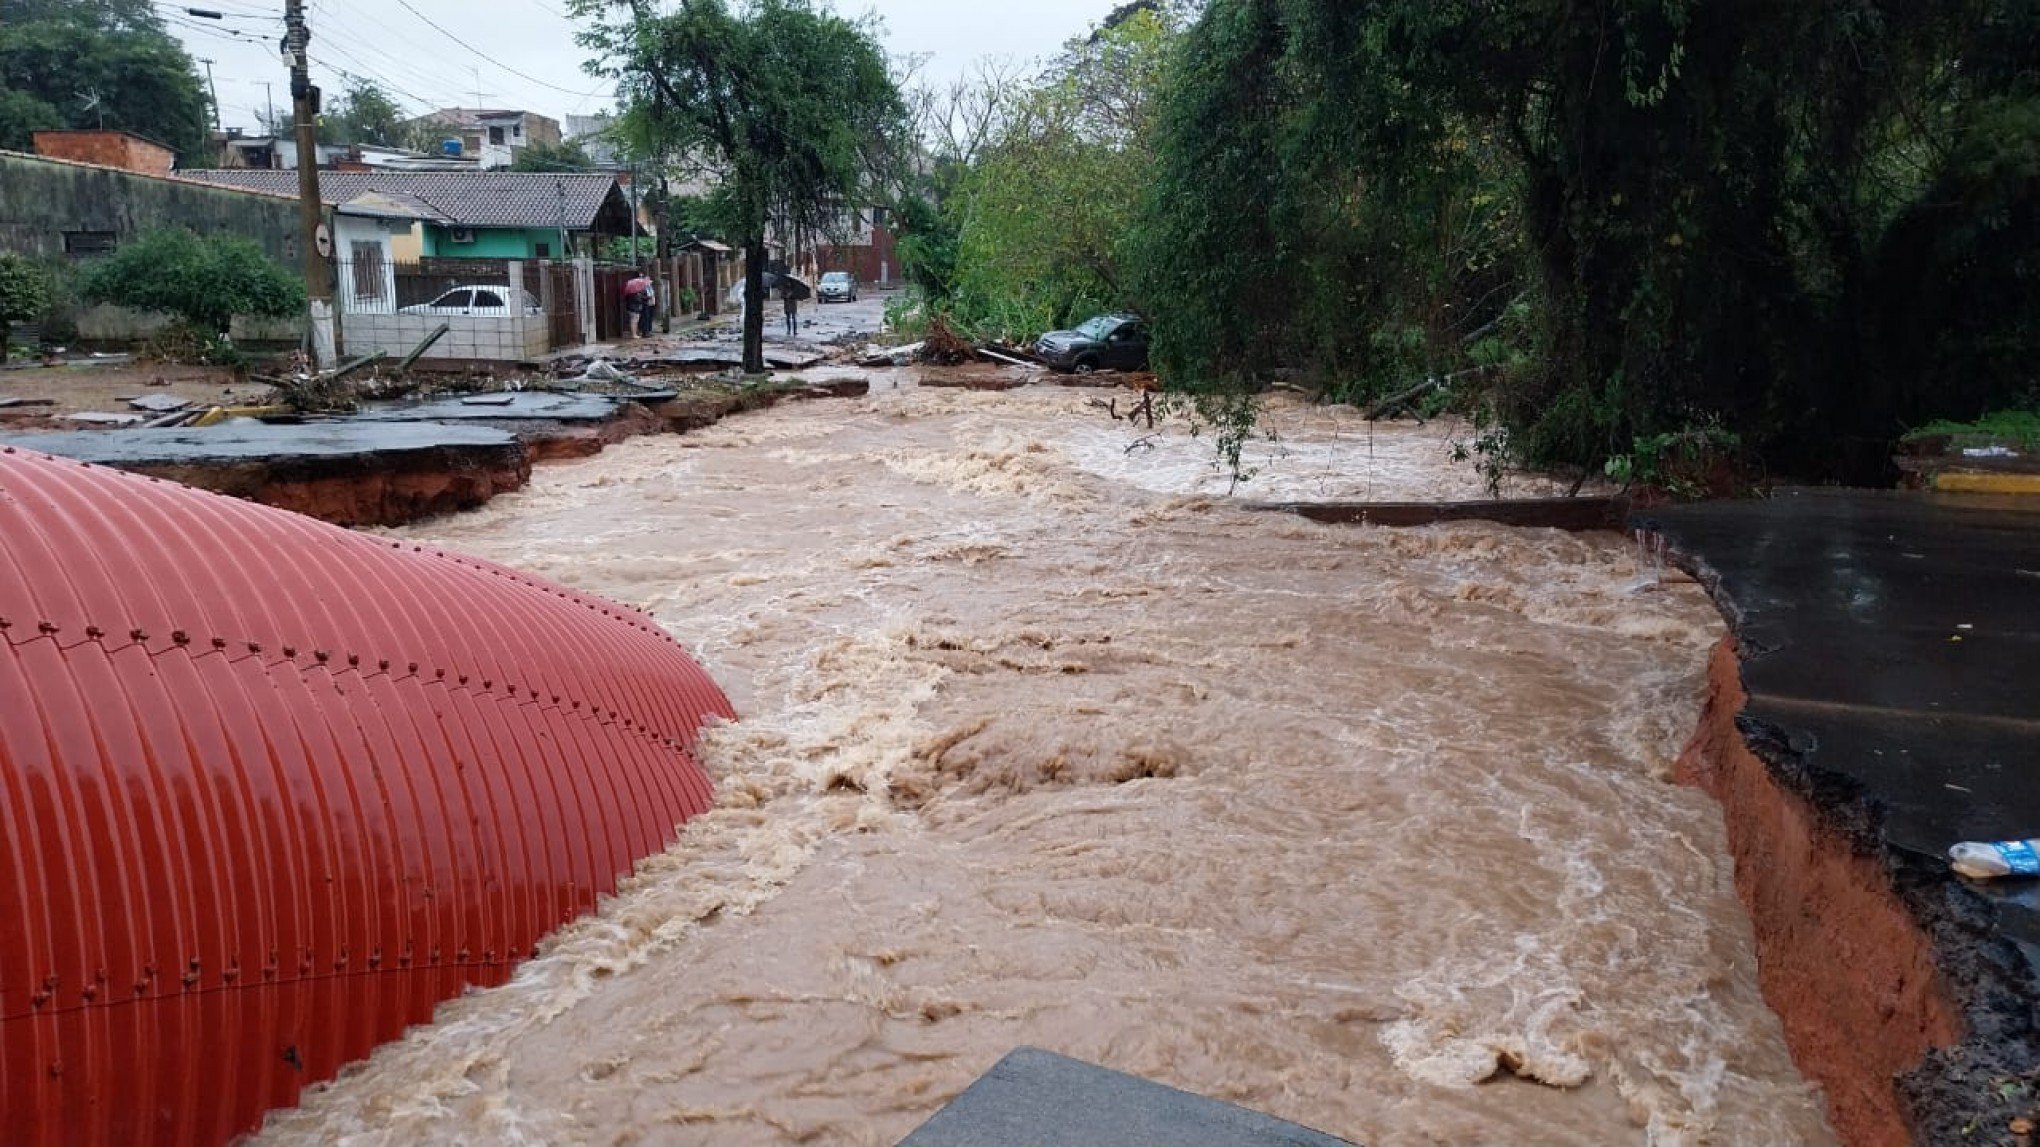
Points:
point(1047, 743)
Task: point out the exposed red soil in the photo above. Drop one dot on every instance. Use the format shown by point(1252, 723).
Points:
point(568, 443)
point(395, 490)
point(1842, 961)
point(372, 493)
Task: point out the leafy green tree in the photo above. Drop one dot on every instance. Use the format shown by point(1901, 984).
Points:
point(366, 114)
point(1810, 222)
point(97, 63)
point(542, 157)
point(204, 281)
point(791, 105)
point(24, 293)
point(1048, 196)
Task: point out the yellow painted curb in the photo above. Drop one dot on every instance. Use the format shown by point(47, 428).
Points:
point(1961, 482)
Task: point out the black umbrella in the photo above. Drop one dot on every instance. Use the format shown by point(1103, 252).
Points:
point(780, 284)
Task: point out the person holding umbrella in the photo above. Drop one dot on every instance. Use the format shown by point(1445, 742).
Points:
point(791, 296)
point(636, 293)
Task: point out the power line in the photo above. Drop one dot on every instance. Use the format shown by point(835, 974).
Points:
point(401, 72)
point(408, 7)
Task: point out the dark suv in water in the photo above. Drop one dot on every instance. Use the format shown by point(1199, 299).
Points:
point(1108, 342)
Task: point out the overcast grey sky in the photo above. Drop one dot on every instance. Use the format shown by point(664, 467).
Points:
point(521, 53)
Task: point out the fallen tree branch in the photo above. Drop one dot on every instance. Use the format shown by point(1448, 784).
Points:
point(1395, 402)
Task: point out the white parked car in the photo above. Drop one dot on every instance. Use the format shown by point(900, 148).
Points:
point(478, 302)
point(838, 287)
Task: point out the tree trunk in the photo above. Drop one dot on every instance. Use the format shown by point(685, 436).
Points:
point(754, 307)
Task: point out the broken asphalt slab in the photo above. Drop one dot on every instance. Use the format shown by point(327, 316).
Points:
point(247, 441)
point(1894, 638)
point(720, 356)
point(520, 406)
point(348, 473)
point(1034, 1098)
point(1886, 645)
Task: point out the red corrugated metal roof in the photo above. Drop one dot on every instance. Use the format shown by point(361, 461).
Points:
point(270, 791)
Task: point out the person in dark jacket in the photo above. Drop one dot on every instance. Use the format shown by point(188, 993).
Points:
point(792, 299)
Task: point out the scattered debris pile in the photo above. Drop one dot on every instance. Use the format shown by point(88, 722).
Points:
point(944, 347)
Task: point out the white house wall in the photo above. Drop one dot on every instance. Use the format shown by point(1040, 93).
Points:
point(350, 233)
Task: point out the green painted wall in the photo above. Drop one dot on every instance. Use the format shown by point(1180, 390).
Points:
point(491, 243)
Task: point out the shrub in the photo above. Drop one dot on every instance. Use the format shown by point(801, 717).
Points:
point(24, 294)
point(204, 281)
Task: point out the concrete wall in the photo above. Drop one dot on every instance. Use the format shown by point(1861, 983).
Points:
point(119, 326)
point(515, 339)
point(41, 199)
point(410, 246)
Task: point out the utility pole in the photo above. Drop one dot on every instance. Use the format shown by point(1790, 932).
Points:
point(633, 213)
point(215, 89)
point(269, 97)
point(305, 103)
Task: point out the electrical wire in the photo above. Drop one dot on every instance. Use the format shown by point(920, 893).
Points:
point(486, 58)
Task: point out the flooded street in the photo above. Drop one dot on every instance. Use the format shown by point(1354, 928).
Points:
point(1044, 744)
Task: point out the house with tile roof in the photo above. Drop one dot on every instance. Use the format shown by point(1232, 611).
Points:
point(473, 214)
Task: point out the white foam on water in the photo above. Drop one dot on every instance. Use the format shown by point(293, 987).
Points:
point(1045, 743)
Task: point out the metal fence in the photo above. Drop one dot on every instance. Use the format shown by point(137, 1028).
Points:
point(422, 284)
point(371, 289)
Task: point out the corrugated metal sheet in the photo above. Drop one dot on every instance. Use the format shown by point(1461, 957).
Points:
point(270, 791)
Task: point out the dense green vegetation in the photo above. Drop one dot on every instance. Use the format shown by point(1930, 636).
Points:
point(1027, 217)
point(24, 293)
point(1814, 223)
point(203, 281)
point(544, 157)
point(1786, 230)
point(2015, 428)
point(97, 63)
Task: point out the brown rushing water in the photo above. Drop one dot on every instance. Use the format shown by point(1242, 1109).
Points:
point(1366, 829)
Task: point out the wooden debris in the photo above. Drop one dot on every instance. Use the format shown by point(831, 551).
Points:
point(347, 368)
point(1009, 360)
point(419, 351)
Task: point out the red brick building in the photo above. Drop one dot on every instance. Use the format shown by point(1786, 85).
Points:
point(872, 253)
point(119, 149)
